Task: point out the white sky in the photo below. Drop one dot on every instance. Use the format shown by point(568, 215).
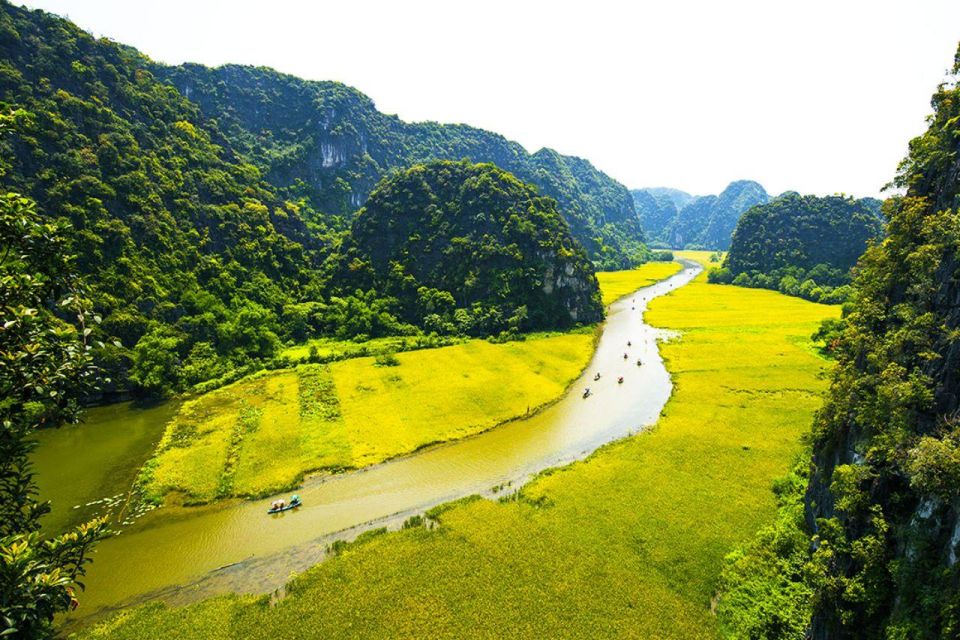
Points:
point(816, 96)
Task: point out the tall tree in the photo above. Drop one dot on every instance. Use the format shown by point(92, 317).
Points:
point(45, 367)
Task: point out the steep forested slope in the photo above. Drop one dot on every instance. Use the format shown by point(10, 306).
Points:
point(190, 254)
point(207, 222)
point(802, 245)
point(673, 218)
point(884, 496)
point(471, 249)
point(328, 141)
point(656, 212)
point(870, 549)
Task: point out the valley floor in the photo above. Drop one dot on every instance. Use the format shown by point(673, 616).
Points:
point(627, 543)
point(262, 434)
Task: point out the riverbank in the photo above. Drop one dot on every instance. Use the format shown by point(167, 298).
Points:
point(626, 543)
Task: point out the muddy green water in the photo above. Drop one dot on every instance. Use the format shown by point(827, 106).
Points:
point(181, 554)
point(86, 469)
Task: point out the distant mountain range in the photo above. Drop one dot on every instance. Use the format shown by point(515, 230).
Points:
point(672, 218)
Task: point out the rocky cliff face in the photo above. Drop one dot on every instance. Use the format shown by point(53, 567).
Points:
point(884, 494)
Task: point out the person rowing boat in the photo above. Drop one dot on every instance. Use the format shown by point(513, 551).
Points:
point(279, 505)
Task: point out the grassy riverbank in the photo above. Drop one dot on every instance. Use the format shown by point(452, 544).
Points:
point(616, 284)
point(628, 543)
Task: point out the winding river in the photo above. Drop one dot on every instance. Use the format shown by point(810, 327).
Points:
point(181, 554)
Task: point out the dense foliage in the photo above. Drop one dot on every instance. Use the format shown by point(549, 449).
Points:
point(762, 595)
point(470, 249)
point(675, 219)
point(801, 245)
point(328, 142)
point(883, 501)
point(193, 258)
point(207, 223)
point(45, 365)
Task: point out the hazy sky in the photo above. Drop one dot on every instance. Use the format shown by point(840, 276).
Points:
point(815, 96)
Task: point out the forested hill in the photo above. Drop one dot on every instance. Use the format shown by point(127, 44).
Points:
point(470, 249)
point(328, 142)
point(802, 245)
point(198, 264)
point(884, 498)
point(867, 540)
point(674, 219)
point(657, 211)
point(191, 256)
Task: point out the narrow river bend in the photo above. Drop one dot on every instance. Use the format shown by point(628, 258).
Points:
point(181, 554)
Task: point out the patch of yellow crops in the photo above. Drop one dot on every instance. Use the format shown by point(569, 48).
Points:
point(261, 435)
point(616, 284)
point(628, 543)
point(223, 443)
point(448, 393)
point(264, 456)
point(703, 257)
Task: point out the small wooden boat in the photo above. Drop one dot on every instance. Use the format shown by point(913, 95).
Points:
point(293, 504)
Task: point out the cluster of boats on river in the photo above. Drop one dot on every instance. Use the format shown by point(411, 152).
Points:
point(626, 356)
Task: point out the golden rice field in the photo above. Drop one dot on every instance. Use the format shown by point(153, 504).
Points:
point(616, 284)
point(262, 434)
point(627, 543)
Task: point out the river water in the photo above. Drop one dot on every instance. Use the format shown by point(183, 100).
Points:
point(87, 469)
point(182, 554)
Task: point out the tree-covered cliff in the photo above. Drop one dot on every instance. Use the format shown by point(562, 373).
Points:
point(468, 248)
point(870, 549)
point(328, 142)
point(801, 245)
point(884, 496)
point(675, 219)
